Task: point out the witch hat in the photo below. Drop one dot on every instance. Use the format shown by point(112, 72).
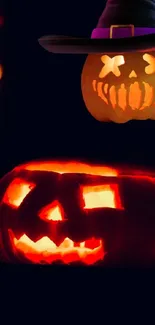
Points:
point(132, 20)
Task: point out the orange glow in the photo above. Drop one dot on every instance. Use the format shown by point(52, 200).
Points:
point(69, 167)
point(119, 88)
point(1, 71)
point(16, 192)
point(133, 74)
point(122, 97)
point(112, 93)
point(119, 97)
point(135, 95)
point(149, 95)
point(100, 92)
point(52, 211)
point(150, 59)
point(46, 251)
point(104, 196)
point(111, 65)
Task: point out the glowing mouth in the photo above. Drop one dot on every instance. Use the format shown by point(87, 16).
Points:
point(46, 251)
point(137, 97)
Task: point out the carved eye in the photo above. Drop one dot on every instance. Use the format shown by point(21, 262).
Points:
point(102, 196)
point(111, 65)
point(150, 59)
point(52, 211)
point(16, 192)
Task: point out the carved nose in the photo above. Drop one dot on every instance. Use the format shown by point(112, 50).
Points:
point(133, 74)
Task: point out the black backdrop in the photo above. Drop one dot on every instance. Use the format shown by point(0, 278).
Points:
point(44, 113)
point(44, 116)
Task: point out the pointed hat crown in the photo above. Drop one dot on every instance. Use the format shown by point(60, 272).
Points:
point(140, 13)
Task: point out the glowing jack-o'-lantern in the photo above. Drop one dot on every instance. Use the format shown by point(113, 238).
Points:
point(76, 213)
point(120, 87)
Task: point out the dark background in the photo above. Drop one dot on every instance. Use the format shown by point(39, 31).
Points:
point(43, 116)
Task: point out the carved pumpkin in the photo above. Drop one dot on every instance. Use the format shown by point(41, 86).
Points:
point(76, 213)
point(120, 87)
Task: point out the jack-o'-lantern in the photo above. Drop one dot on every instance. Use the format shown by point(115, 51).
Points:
point(76, 213)
point(118, 78)
point(120, 87)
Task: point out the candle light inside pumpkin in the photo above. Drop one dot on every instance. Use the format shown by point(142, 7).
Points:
point(119, 87)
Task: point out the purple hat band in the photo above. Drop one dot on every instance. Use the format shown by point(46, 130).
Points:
point(121, 31)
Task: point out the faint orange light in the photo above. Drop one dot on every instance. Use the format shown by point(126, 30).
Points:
point(1, 71)
point(70, 167)
point(1, 21)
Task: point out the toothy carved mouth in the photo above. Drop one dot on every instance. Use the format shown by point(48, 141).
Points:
point(137, 96)
point(45, 250)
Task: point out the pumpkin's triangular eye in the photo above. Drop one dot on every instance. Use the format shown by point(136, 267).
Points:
point(150, 59)
point(111, 65)
point(102, 196)
point(52, 212)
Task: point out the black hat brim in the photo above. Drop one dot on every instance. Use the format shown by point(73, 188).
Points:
point(70, 45)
